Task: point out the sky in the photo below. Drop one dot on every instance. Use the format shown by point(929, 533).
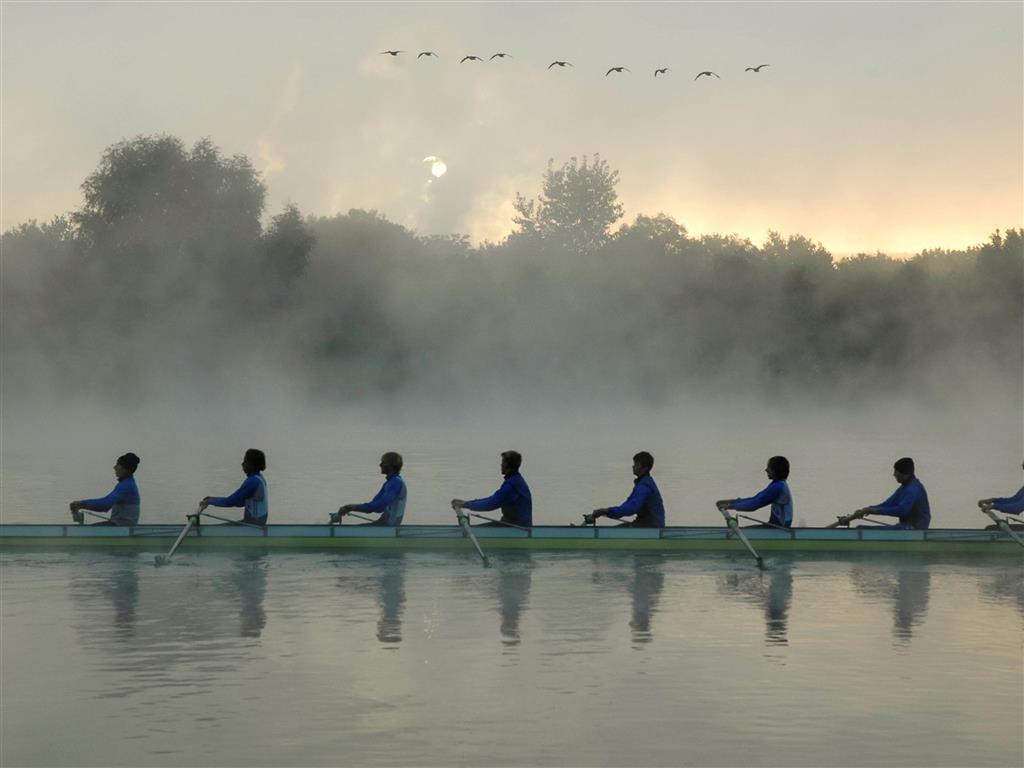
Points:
point(889, 127)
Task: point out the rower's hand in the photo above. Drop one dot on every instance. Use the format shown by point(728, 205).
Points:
point(204, 503)
point(986, 503)
point(458, 504)
point(861, 513)
point(723, 504)
point(344, 509)
point(591, 518)
point(74, 506)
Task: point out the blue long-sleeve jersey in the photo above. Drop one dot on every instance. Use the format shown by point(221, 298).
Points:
point(514, 499)
point(123, 502)
point(645, 502)
point(777, 494)
point(251, 494)
point(1011, 505)
point(910, 504)
point(389, 501)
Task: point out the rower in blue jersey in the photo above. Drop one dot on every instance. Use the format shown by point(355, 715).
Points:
point(389, 502)
point(909, 504)
point(513, 497)
point(644, 503)
point(1010, 505)
point(251, 494)
point(776, 493)
point(123, 502)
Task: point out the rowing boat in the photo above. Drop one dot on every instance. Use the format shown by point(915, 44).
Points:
point(156, 538)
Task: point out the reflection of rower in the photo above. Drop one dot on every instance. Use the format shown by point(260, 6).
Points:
point(908, 595)
point(513, 592)
point(775, 600)
point(392, 601)
point(1008, 505)
point(648, 581)
point(250, 578)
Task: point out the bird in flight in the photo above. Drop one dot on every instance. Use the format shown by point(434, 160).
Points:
point(391, 53)
point(470, 58)
point(709, 73)
point(616, 69)
point(428, 53)
point(757, 68)
point(661, 71)
point(560, 63)
point(500, 56)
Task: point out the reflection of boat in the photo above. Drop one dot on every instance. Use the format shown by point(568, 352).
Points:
point(157, 538)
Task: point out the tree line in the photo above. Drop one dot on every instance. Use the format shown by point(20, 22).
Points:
point(166, 270)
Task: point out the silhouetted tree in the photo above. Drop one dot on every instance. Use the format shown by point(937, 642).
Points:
point(577, 206)
point(287, 243)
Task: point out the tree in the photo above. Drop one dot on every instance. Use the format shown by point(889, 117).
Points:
point(577, 206)
point(288, 242)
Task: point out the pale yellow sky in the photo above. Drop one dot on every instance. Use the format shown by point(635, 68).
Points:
point(878, 126)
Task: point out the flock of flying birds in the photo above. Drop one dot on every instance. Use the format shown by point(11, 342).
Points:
point(619, 70)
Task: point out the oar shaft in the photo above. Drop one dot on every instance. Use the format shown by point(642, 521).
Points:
point(466, 529)
point(499, 522)
point(734, 525)
point(1004, 526)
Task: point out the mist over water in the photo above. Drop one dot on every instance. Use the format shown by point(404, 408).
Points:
point(576, 457)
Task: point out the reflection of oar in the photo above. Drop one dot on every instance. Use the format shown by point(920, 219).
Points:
point(1003, 525)
point(464, 522)
point(499, 522)
point(192, 520)
point(734, 525)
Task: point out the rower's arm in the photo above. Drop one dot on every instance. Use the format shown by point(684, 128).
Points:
point(1011, 505)
point(633, 504)
point(500, 497)
point(385, 496)
point(763, 499)
point(900, 503)
point(237, 499)
point(118, 495)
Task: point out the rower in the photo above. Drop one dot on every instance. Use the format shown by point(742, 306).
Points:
point(389, 502)
point(776, 493)
point(644, 500)
point(251, 494)
point(123, 502)
point(909, 504)
point(1008, 505)
point(513, 497)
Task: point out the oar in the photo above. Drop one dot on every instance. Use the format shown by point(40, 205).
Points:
point(734, 524)
point(1003, 525)
point(192, 520)
point(78, 518)
point(499, 522)
point(844, 520)
point(230, 522)
point(762, 522)
point(336, 518)
point(466, 529)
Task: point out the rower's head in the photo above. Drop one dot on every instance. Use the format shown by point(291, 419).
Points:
point(643, 463)
point(390, 463)
point(126, 465)
point(254, 461)
point(777, 468)
point(511, 461)
point(903, 470)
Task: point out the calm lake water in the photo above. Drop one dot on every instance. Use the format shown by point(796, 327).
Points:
point(545, 659)
point(550, 659)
